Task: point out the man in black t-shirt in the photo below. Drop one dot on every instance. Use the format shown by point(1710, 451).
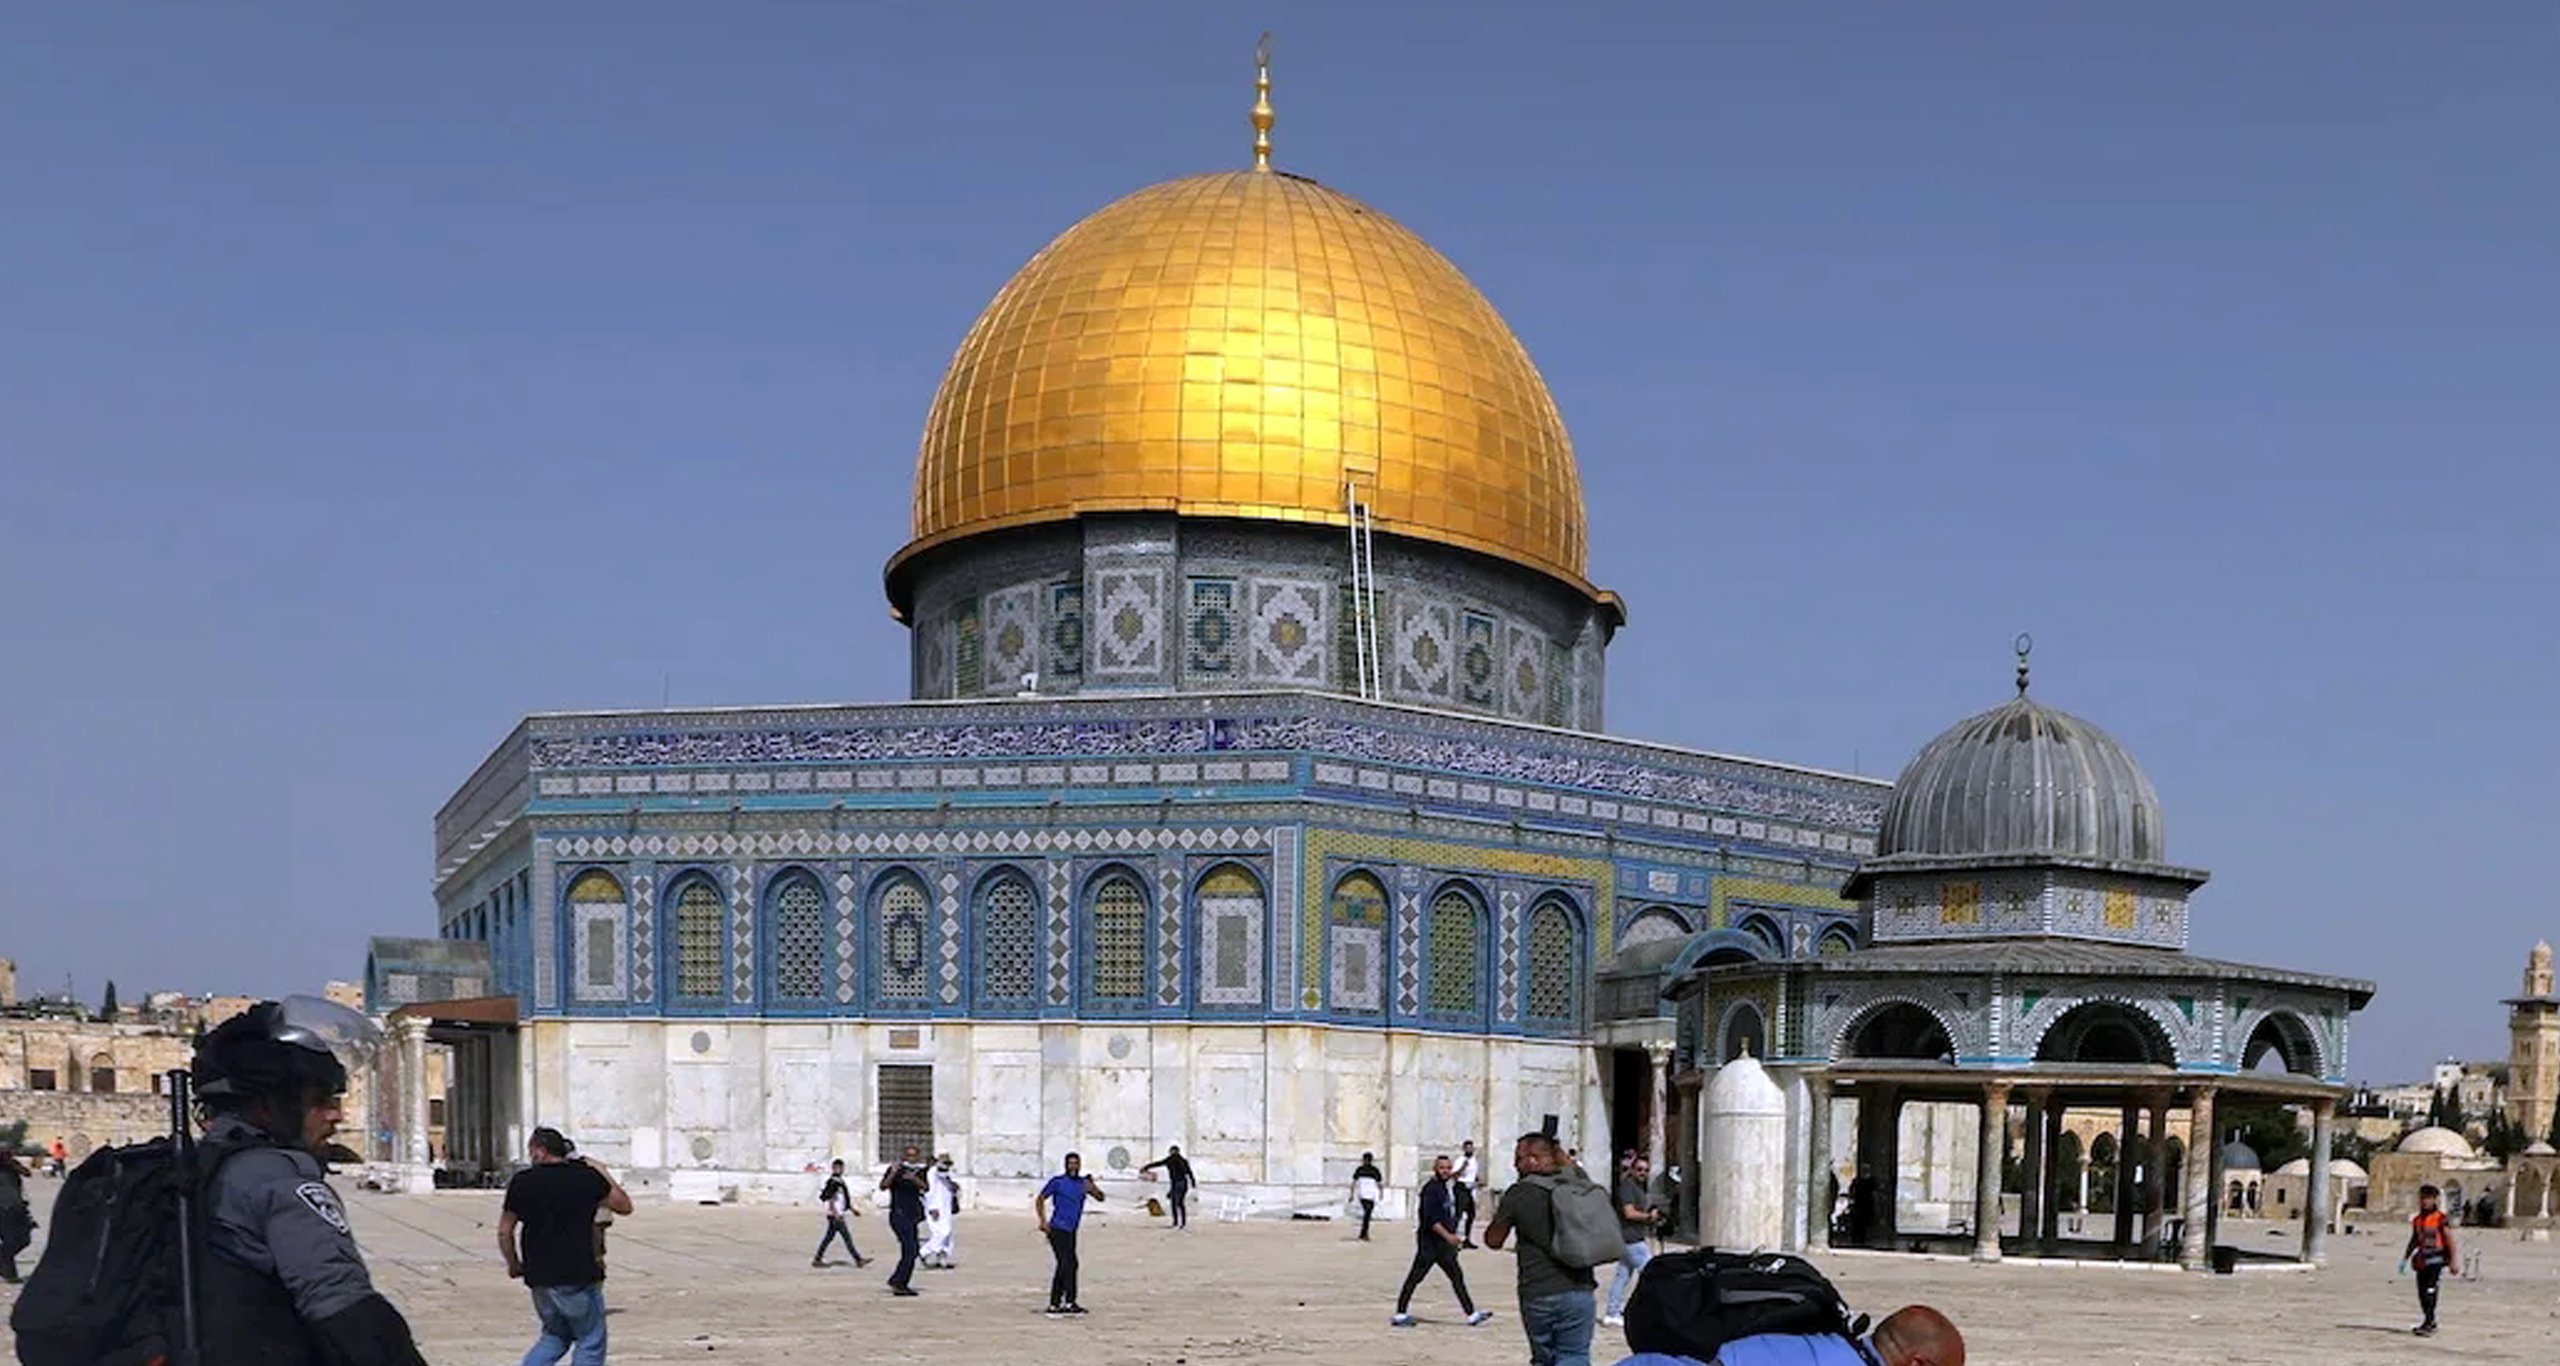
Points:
point(1177, 1169)
point(554, 1202)
point(905, 1182)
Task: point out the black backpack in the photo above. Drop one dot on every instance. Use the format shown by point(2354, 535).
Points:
point(1692, 1303)
point(106, 1292)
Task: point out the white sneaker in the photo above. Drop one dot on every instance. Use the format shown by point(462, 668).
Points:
point(1613, 1321)
point(1479, 1318)
point(1400, 1321)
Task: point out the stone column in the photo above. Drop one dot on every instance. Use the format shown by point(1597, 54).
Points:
point(1986, 1181)
point(1817, 1128)
point(2315, 1198)
point(1656, 1137)
point(2155, 1166)
point(2033, 1174)
point(2049, 1233)
point(2128, 1156)
point(2194, 1252)
point(411, 1144)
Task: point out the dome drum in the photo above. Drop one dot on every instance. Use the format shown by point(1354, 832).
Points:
point(1158, 602)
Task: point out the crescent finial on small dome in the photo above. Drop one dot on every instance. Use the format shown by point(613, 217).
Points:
point(2025, 645)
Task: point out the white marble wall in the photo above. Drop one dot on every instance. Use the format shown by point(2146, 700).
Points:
point(1279, 1113)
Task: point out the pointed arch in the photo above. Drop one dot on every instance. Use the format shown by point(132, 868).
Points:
point(795, 937)
point(1007, 943)
point(1231, 908)
point(900, 908)
point(1552, 991)
point(1118, 940)
point(1355, 944)
point(697, 940)
point(1453, 945)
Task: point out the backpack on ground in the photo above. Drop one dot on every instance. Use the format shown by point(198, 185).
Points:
point(106, 1292)
point(1587, 1232)
point(1692, 1303)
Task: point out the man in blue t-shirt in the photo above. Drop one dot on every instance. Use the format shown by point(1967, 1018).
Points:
point(1915, 1335)
point(1060, 1207)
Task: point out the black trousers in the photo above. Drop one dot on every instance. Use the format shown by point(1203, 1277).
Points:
point(908, 1245)
point(1466, 1211)
point(1367, 1208)
point(1430, 1252)
point(2430, 1279)
point(1181, 1211)
point(1062, 1282)
point(836, 1228)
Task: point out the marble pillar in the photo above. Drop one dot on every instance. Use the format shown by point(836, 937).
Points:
point(2315, 1199)
point(410, 1144)
point(2128, 1157)
point(2194, 1251)
point(2155, 1167)
point(2049, 1233)
point(2033, 1173)
point(1986, 1187)
point(1656, 1129)
point(1818, 1175)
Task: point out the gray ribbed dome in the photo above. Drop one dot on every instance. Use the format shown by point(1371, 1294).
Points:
point(2024, 779)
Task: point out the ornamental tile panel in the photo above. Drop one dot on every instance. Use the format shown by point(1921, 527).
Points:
point(1289, 632)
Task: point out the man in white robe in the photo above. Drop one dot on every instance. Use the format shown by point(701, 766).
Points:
point(941, 1213)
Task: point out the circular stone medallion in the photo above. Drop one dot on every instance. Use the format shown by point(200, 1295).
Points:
point(1119, 1159)
point(1119, 1045)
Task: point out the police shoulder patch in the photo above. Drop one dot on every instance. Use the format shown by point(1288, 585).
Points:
point(323, 1202)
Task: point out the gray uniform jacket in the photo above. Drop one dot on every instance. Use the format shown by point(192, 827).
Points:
point(270, 1211)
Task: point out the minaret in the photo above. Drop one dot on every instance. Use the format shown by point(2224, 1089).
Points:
point(2533, 1063)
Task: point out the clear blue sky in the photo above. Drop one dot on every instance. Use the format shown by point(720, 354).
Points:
point(371, 376)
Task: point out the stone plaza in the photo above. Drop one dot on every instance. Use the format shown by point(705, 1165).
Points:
point(732, 1285)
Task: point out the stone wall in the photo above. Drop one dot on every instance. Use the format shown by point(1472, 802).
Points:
point(1278, 1113)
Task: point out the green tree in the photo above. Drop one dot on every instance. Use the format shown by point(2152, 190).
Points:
point(2352, 1146)
point(107, 1009)
point(2506, 1137)
point(2268, 1129)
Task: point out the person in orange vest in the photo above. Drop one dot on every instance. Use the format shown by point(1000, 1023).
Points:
point(2431, 1253)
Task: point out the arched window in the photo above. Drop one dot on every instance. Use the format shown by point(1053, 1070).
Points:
point(1231, 915)
point(697, 918)
point(1357, 929)
point(1008, 942)
point(899, 914)
point(102, 1074)
point(1455, 977)
point(1119, 957)
point(799, 939)
point(1552, 1002)
point(595, 919)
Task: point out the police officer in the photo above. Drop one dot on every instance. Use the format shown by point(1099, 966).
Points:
point(283, 1284)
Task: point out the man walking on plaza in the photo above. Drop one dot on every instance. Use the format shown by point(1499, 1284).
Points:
point(554, 1202)
point(1555, 1299)
point(2431, 1253)
point(1637, 1220)
point(905, 1181)
point(1435, 1237)
point(1060, 1209)
point(1367, 1184)
point(1177, 1174)
point(941, 1214)
point(837, 1199)
point(1470, 1174)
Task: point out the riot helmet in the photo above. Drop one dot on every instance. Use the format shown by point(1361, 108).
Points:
point(284, 1053)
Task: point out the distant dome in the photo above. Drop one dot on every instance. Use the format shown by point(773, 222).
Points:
point(2339, 1166)
point(2300, 1166)
point(2439, 1141)
point(2024, 779)
point(2240, 1157)
point(2540, 1148)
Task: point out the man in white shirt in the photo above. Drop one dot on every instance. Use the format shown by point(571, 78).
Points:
point(1469, 1176)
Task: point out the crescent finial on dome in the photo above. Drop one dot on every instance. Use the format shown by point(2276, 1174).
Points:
point(1262, 115)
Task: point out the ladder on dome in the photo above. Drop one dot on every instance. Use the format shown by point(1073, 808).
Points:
point(1367, 658)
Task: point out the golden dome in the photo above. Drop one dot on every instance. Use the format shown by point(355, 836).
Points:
point(1246, 344)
